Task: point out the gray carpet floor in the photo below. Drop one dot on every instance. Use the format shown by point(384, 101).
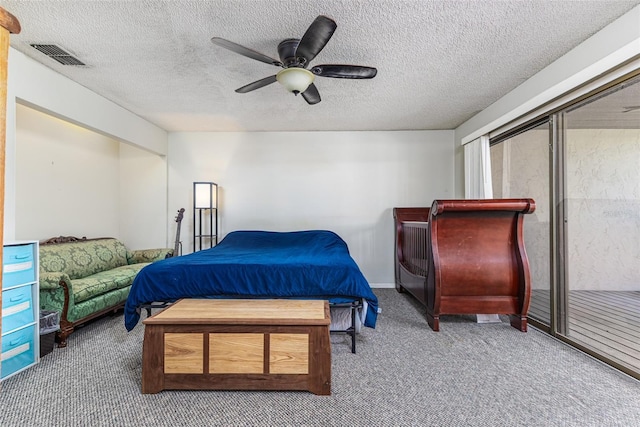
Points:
point(404, 374)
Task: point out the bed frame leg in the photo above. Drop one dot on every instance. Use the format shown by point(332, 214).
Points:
point(149, 306)
point(353, 329)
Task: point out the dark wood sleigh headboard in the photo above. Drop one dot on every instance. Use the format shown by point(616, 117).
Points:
point(465, 257)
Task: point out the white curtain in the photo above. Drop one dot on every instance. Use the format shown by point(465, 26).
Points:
point(477, 185)
point(477, 169)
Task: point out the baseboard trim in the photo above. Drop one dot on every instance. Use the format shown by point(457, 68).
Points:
point(382, 285)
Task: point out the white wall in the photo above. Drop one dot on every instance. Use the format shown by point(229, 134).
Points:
point(73, 181)
point(347, 182)
point(142, 197)
point(66, 179)
point(144, 172)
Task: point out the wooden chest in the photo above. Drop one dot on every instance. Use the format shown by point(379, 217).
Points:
point(230, 344)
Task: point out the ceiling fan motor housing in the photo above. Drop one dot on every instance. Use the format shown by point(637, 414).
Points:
point(287, 52)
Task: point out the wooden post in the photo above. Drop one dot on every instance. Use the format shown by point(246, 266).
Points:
point(8, 24)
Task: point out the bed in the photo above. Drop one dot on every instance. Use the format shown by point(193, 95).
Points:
point(311, 264)
point(465, 257)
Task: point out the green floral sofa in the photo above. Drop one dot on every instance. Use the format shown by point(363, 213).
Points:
point(86, 278)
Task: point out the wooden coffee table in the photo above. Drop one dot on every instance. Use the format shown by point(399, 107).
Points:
point(231, 344)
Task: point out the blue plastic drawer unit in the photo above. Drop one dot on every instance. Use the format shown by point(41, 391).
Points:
point(18, 351)
point(20, 311)
point(17, 308)
point(18, 265)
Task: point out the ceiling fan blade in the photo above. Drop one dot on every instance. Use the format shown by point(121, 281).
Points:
point(257, 84)
point(244, 51)
point(315, 38)
point(341, 71)
point(311, 95)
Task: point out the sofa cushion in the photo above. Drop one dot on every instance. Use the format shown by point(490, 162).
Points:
point(101, 302)
point(105, 281)
point(84, 258)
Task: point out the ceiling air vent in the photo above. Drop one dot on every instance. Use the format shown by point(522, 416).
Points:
point(57, 53)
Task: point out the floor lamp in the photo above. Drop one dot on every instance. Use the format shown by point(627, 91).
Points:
point(205, 215)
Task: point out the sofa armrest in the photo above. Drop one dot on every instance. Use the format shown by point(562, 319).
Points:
point(56, 292)
point(52, 280)
point(148, 255)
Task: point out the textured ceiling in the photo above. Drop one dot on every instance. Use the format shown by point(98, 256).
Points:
point(439, 62)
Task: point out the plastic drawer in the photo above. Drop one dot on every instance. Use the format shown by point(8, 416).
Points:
point(18, 265)
point(17, 308)
point(18, 350)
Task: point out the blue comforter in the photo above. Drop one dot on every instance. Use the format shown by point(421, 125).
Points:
point(257, 264)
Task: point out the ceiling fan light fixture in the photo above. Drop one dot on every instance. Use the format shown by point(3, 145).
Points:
point(295, 79)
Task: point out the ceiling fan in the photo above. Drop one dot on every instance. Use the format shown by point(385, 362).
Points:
point(295, 56)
